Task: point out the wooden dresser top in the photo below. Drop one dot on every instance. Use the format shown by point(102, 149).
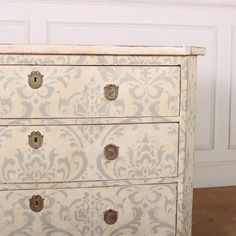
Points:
point(100, 50)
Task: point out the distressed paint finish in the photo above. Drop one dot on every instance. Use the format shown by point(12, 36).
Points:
point(155, 148)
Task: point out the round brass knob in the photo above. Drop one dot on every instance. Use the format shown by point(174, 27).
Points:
point(35, 79)
point(111, 151)
point(36, 203)
point(35, 139)
point(110, 216)
point(111, 91)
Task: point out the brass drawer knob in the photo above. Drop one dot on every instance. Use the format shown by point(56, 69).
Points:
point(111, 151)
point(110, 216)
point(111, 91)
point(35, 79)
point(36, 203)
point(35, 139)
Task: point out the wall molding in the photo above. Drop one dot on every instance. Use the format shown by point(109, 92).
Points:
point(215, 173)
point(215, 163)
point(211, 144)
point(212, 3)
point(25, 24)
point(231, 146)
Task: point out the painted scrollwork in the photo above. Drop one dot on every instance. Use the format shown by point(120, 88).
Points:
point(79, 212)
point(66, 156)
point(77, 91)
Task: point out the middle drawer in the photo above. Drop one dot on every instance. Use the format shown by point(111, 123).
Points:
point(88, 152)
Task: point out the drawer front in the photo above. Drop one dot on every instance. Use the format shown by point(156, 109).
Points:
point(127, 210)
point(88, 152)
point(89, 91)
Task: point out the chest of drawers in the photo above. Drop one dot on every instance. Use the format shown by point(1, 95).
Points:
point(96, 141)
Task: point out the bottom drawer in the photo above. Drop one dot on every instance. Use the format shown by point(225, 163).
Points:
point(141, 210)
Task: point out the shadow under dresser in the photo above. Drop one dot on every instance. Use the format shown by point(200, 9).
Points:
point(96, 140)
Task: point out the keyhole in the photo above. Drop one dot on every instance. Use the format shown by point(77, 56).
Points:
point(35, 140)
point(35, 79)
point(36, 203)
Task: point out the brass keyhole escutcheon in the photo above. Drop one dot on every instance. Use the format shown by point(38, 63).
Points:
point(111, 92)
point(35, 79)
point(110, 216)
point(111, 151)
point(35, 139)
point(36, 203)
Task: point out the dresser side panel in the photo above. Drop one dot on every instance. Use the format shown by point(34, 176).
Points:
point(182, 147)
point(190, 144)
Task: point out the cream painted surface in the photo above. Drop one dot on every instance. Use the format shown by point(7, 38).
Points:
point(142, 210)
point(76, 153)
point(78, 91)
point(100, 50)
point(157, 156)
point(151, 22)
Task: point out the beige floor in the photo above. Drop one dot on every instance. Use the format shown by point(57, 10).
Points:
point(214, 212)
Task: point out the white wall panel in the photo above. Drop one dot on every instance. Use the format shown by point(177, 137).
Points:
point(14, 31)
point(232, 111)
point(206, 23)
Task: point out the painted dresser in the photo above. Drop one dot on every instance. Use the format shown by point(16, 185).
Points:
point(96, 141)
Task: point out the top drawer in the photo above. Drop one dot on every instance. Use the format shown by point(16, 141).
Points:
point(89, 91)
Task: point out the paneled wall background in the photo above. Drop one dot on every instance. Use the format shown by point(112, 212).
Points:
point(208, 23)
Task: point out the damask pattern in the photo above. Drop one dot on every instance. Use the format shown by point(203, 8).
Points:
point(191, 120)
point(75, 153)
point(137, 74)
point(142, 210)
point(77, 91)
